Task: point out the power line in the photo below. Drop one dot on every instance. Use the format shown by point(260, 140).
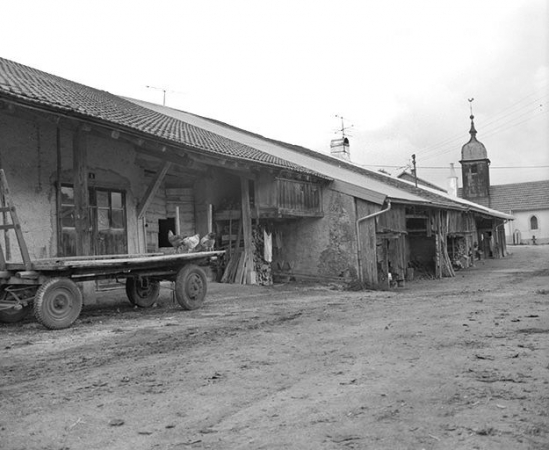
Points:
point(489, 134)
point(492, 126)
point(447, 167)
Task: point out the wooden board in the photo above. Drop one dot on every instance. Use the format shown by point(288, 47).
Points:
point(111, 261)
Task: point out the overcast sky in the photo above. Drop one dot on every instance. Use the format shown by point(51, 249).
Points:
point(400, 72)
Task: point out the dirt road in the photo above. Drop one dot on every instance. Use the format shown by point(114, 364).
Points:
point(460, 363)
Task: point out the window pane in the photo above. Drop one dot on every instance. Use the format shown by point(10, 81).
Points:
point(67, 195)
point(102, 199)
point(102, 219)
point(118, 218)
point(67, 217)
point(116, 198)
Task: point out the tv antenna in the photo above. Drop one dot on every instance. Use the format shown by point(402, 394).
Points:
point(343, 127)
point(163, 92)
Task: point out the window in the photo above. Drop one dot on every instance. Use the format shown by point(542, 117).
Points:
point(533, 223)
point(110, 208)
point(67, 207)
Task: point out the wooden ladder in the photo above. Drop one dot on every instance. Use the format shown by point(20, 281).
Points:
point(8, 207)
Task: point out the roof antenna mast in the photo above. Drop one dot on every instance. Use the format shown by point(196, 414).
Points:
point(164, 92)
point(343, 127)
point(340, 147)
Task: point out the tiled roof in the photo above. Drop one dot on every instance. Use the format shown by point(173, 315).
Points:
point(527, 196)
point(34, 87)
point(396, 189)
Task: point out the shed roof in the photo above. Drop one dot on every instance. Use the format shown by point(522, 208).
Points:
point(30, 86)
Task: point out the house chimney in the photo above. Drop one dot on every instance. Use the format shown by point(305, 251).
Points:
point(340, 148)
point(452, 182)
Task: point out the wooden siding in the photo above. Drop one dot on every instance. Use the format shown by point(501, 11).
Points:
point(460, 222)
point(393, 220)
point(299, 196)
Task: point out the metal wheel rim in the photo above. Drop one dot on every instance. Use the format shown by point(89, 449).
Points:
point(195, 286)
point(60, 303)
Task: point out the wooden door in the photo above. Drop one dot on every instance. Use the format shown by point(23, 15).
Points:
point(108, 227)
point(108, 220)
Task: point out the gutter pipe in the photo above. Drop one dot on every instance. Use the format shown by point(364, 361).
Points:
point(359, 249)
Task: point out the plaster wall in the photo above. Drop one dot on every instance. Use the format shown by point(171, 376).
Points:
point(113, 164)
point(323, 246)
point(522, 225)
point(28, 154)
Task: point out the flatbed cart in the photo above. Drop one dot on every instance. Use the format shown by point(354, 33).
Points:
point(48, 286)
point(50, 289)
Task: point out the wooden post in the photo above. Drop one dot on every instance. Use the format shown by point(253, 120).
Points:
point(438, 247)
point(81, 196)
point(247, 230)
point(58, 172)
point(177, 222)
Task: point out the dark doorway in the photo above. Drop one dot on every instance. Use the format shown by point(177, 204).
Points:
point(165, 225)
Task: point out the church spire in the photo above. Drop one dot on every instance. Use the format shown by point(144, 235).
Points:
point(472, 131)
point(475, 167)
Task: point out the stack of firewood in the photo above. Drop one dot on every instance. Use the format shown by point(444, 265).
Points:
point(240, 263)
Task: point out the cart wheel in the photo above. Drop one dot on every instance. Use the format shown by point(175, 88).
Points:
point(58, 303)
point(190, 287)
point(142, 292)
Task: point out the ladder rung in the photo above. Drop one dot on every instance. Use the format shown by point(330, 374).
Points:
point(7, 227)
point(5, 209)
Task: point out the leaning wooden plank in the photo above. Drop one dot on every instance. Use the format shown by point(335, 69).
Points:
point(228, 275)
point(240, 268)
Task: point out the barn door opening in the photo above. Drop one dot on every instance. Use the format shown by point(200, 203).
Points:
point(164, 227)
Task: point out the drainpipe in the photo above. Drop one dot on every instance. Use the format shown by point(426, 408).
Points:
point(359, 249)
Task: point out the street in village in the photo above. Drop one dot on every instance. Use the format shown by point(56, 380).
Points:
point(457, 363)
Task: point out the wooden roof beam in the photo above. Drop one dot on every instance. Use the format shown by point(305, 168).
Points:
point(152, 189)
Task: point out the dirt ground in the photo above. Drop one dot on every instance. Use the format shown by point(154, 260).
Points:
point(461, 363)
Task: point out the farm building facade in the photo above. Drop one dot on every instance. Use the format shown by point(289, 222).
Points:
point(94, 173)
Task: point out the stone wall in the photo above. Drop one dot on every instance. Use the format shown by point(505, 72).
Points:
point(322, 246)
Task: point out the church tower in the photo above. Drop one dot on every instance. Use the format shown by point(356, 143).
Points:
point(475, 169)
